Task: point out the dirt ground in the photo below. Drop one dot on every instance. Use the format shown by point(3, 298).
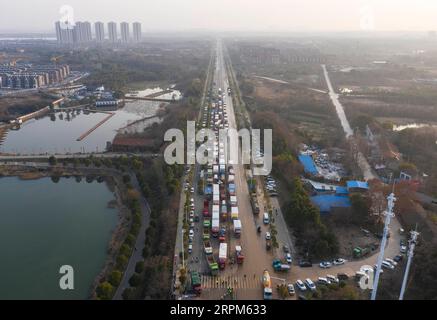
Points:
point(272, 91)
point(349, 237)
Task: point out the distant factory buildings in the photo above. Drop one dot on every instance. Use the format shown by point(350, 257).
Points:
point(81, 33)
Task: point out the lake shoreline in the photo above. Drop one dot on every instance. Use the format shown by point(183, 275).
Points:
point(115, 185)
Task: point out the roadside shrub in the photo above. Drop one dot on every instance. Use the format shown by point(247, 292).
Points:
point(115, 278)
point(122, 261)
point(125, 250)
point(105, 291)
point(135, 280)
point(130, 239)
point(139, 267)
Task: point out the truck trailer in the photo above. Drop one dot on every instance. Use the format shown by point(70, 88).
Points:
point(239, 254)
point(237, 228)
point(223, 255)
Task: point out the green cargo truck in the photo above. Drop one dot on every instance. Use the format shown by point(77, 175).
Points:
point(195, 282)
point(213, 265)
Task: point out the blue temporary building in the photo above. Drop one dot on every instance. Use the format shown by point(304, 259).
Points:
point(341, 191)
point(357, 185)
point(308, 164)
point(327, 202)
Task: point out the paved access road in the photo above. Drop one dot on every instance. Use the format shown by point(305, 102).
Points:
point(137, 254)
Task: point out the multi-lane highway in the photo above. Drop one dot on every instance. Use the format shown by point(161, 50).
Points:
point(246, 278)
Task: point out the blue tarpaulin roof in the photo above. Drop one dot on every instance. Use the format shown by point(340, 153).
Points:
point(357, 185)
point(326, 202)
point(341, 190)
point(308, 164)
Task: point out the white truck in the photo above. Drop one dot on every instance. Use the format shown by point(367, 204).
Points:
point(237, 228)
point(233, 201)
point(223, 255)
point(234, 213)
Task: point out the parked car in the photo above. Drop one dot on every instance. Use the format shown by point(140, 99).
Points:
point(387, 265)
point(325, 265)
point(300, 285)
point(290, 289)
point(339, 261)
point(310, 284)
point(286, 249)
point(323, 281)
point(391, 261)
point(305, 264)
point(288, 258)
point(332, 279)
point(398, 258)
point(403, 249)
point(268, 236)
point(190, 248)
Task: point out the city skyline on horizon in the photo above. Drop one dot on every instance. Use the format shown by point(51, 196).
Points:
point(245, 16)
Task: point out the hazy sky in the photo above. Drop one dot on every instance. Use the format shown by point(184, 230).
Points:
point(241, 15)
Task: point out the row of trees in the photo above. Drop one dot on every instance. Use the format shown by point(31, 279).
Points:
point(152, 276)
point(107, 287)
point(312, 235)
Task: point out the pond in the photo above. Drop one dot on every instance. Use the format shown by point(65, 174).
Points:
point(45, 225)
point(58, 133)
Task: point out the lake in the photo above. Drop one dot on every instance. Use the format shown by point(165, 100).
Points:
point(58, 133)
point(44, 225)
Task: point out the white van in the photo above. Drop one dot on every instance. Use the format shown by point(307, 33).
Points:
point(266, 218)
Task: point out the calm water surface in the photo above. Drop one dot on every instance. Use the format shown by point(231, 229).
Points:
point(44, 225)
point(58, 133)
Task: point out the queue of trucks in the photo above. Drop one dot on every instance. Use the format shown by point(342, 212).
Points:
point(221, 204)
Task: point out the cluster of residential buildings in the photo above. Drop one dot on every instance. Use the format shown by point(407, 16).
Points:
point(28, 76)
point(81, 32)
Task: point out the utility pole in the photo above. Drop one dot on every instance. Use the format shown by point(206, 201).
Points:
point(388, 215)
point(413, 241)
